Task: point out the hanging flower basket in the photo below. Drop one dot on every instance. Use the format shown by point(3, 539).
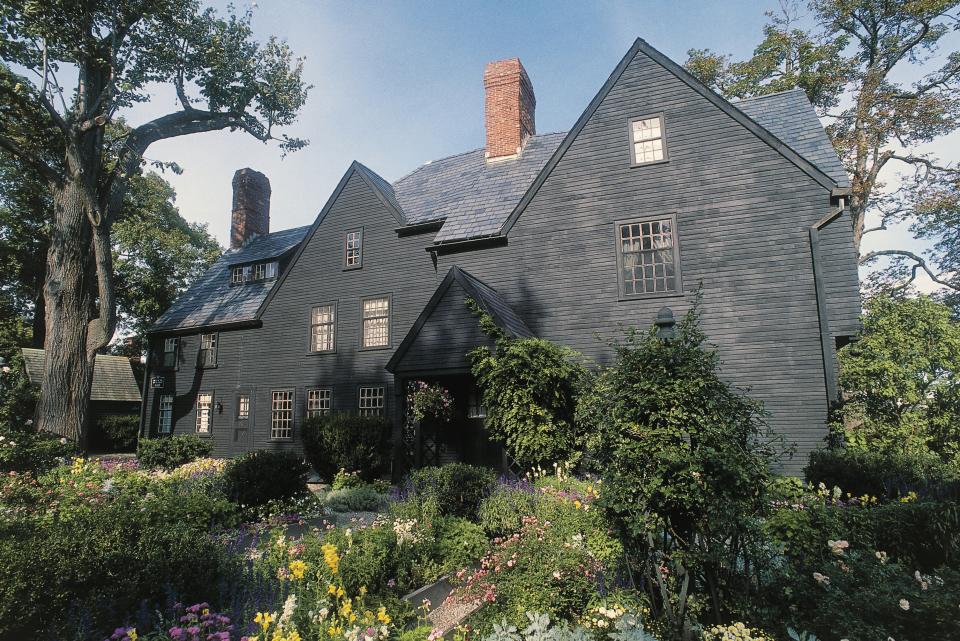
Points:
point(429, 401)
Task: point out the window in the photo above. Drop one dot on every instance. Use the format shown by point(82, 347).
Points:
point(281, 415)
point(204, 412)
point(236, 275)
point(376, 322)
point(322, 328)
point(648, 258)
point(318, 401)
point(475, 408)
point(264, 271)
point(169, 357)
point(647, 140)
point(165, 423)
point(208, 351)
point(371, 401)
point(353, 249)
point(243, 406)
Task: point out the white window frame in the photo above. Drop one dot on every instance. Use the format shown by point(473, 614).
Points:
point(209, 344)
point(372, 400)
point(676, 289)
point(243, 407)
point(236, 275)
point(165, 414)
point(319, 401)
point(649, 142)
point(173, 341)
point(204, 406)
point(330, 325)
point(353, 249)
point(282, 414)
point(374, 318)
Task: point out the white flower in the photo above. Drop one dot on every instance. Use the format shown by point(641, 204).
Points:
point(63, 440)
point(288, 608)
point(29, 421)
point(822, 579)
point(904, 604)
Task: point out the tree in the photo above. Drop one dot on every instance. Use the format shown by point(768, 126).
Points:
point(851, 70)
point(116, 50)
point(901, 381)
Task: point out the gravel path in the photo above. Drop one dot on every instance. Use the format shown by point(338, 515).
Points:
point(451, 613)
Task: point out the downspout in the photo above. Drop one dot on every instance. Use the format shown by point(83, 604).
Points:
point(826, 340)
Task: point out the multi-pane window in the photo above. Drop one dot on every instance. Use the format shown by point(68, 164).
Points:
point(371, 401)
point(646, 138)
point(236, 275)
point(281, 414)
point(322, 328)
point(318, 401)
point(204, 412)
point(259, 271)
point(169, 352)
point(648, 257)
point(165, 423)
point(243, 406)
point(475, 408)
point(353, 248)
point(208, 350)
point(376, 322)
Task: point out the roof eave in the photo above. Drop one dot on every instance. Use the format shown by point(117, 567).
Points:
point(242, 324)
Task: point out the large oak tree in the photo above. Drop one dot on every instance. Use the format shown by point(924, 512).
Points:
point(69, 69)
point(875, 69)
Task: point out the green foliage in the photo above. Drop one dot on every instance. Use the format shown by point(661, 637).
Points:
point(501, 513)
point(528, 387)
point(885, 475)
point(115, 433)
point(901, 380)
point(344, 479)
point(346, 442)
point(539, 627)
point(457, 488)
point(684, 466)
point(358, 498)
point(256, 478)
point(169, 452)
point(18, 397)
point(30, 451)
point(80, 545)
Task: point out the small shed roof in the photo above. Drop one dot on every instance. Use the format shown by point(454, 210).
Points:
point(112, 376)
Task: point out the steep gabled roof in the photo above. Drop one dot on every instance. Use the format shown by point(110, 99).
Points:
point(383, 190)
point(112, 376)
point(212, 300)
point(486, 297)
point(789, 116)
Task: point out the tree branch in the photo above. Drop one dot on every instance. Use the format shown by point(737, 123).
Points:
point(919, 263)
point(45, 170)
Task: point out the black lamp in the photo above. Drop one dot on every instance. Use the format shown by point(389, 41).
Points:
point(665, 324)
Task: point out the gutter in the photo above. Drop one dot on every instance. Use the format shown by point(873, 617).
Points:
point(826, 345)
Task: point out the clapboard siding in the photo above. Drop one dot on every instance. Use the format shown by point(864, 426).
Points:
point(743, 213)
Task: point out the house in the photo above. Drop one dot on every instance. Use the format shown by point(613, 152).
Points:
point(660, 189)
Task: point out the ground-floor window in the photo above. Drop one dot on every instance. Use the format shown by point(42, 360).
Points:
point(204, 412)
point(165, 423)
point(243, 406)
point(475, 408)
point(318, 401)
point(281, 415)
point(372, 400)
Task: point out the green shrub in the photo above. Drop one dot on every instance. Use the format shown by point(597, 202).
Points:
point(346, 442)
point(257, 478)
point(457, 488)
point(459, 544)
point(501, 513)
point(885, 475)
point(32, 451)
point(344, 479)
point(361, 498)
point(116, 433)
point(168, 452)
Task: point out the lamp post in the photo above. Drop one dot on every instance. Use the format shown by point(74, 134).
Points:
point(665, 324)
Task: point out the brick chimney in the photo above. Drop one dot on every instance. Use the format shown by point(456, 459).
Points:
point(510, 107)
point(251, 206)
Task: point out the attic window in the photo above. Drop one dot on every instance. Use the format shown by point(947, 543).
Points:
point(252, 273)
point(353, 249)
point(647, 141)
point(236, 275)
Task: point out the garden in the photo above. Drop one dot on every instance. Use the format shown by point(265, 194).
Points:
point(648, 509)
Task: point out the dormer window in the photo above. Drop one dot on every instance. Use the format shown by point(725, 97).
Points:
point(353, 249)
point(236, 275)
point(253, 273)
point(647, 141)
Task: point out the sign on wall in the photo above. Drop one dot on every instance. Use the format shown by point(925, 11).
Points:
point(156, 382)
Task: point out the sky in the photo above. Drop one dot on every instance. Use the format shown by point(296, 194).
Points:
point(396, 84)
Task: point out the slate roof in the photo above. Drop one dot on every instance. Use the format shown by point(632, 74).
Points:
point(112, 376)
point(472, 196)
point(211, 300)
point(789, 116)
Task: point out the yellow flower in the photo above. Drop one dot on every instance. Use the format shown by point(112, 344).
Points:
point(332, 589)
point(363, 590)
point(330, 557)
point(264, 619)
point(382, 615)
point(577, 504)
point(132, 634)
point(297, 568)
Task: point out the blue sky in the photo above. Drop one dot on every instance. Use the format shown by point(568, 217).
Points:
point(400, 83)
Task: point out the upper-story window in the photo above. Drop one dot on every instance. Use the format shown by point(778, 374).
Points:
point(208, 351)
point(323, 325)
point(237, 275)
point(353, 249)
point(647, 140)
point(168, 358)
point(648, 257)
point(251, 273)
point(376, 322)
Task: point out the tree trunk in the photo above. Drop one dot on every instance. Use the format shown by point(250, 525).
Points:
point(68, 294)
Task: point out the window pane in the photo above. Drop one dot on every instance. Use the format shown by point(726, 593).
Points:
point(353, 248)
point(204, 407)
point(281, 415)
point(371, 401)
point(243, 406)
point(647, 257)
point(376, 322)
point(318, 402)
point(322, 328)
point(166, 414)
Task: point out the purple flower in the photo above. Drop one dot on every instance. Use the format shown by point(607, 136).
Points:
point(176, 632)
point(194, 630)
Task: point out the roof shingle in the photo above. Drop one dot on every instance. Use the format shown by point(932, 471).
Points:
point(112, 376)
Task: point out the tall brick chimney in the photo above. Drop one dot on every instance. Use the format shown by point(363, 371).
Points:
point(251, 206)
point(510, 107)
